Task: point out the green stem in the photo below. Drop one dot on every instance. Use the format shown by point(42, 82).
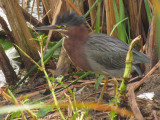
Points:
point(53, 94)
point(98, 17)
point(47, 57)
point(27, 56)
point(87, 13)
point(129, 60)
point(12, 96)
point(81, 77)
point(16, 102)
point(48, 80)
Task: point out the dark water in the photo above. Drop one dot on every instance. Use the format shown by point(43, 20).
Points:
point(11, 53)
point(28, 8)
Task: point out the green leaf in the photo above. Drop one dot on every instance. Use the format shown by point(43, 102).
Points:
point(148, 10)
point(113, 115)
point(44, 111)
point(86, 114)
point(119, 17)
point(6, 44)
point(13, 115)
point(80, 90)
point(59, 78)
point(98, 17)
point(74, 116)
point(100, 78)
point(87, 13)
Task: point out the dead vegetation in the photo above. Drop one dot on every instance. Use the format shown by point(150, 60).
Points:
point(78, 97)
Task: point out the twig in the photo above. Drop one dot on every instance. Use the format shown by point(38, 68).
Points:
point(131, 95)
point(133, 104)
point(154, 114)
point(148, 75)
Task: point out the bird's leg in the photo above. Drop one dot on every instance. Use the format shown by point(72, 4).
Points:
point(103, 89)
point(115, 86)
point(116, 92)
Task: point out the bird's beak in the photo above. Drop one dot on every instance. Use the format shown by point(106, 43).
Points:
point(49, 27)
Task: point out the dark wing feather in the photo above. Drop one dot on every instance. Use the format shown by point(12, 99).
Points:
point(110, 52)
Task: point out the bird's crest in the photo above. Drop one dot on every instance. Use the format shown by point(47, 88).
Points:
point(70, 19)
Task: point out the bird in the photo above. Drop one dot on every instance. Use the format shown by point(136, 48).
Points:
point(95, 52)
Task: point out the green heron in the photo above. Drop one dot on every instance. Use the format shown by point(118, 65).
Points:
point(95, 52)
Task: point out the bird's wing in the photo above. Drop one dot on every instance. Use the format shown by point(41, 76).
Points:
point(110, 60)
point(106, 51)
point(109, 51)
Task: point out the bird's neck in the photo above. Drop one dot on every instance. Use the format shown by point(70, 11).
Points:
point(75, 45)
point(78, 34)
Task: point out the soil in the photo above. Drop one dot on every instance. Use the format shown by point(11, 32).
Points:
point(86, 92)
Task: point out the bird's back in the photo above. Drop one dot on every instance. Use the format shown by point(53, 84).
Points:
point(110, 53)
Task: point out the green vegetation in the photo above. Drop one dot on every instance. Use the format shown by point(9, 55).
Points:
point(62, 99)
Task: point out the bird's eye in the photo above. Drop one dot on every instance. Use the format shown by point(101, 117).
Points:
point(63, 26)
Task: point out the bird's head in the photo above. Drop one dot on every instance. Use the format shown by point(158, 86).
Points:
point(65, 23)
